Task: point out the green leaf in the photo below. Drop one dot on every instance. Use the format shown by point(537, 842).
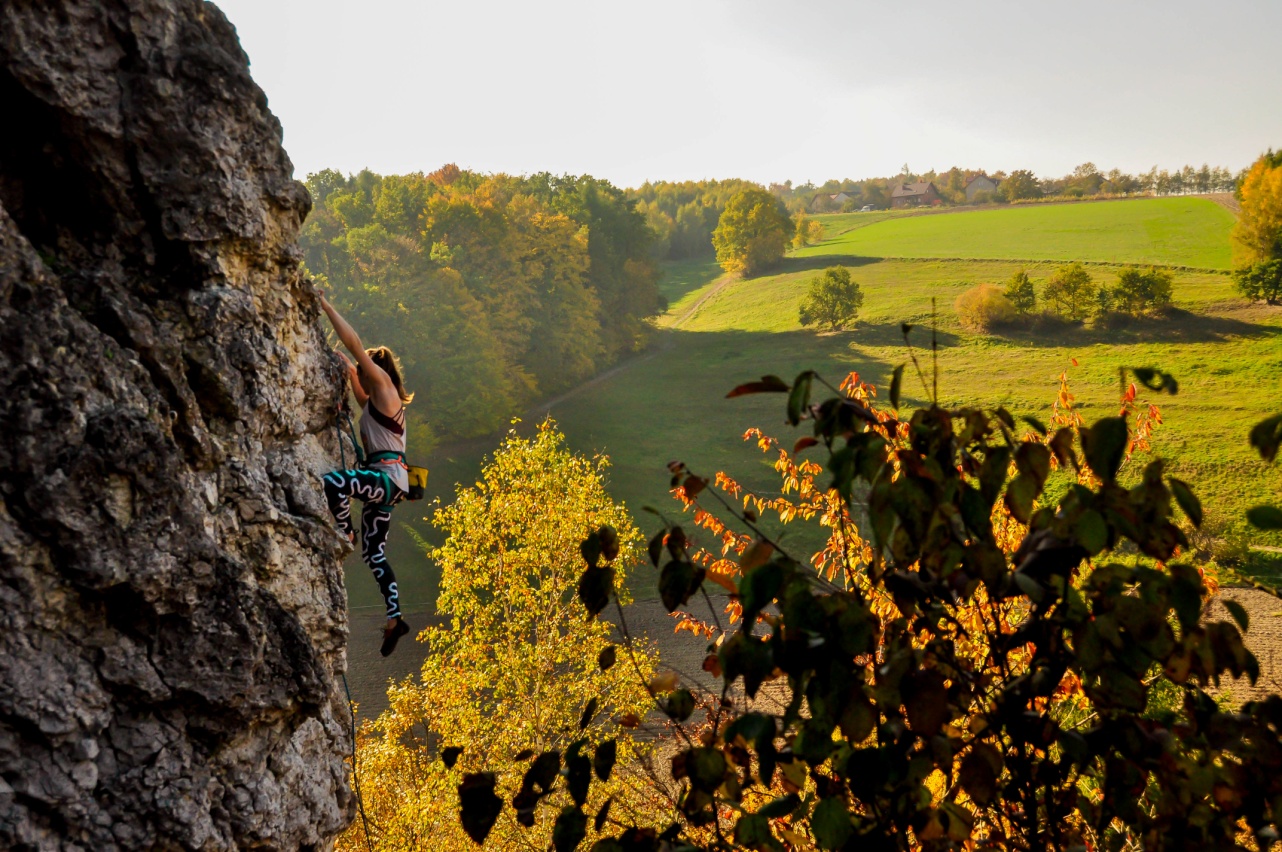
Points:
point(1238, 612)
point(655, 548)
point(588, 713)
point(609, 541)
point(679, 705)
point(590, 548)
point(759, 588)
point(1104, 445)
point(1091, 531)
point(799, 399)
point(706, 767)
point(570, 829)
point(980, 771)
point(1033, 459)
point(542, 772)
point(675, 582)
point(831, 824)
point(1265, 517)
point(896, 381)
point(1020, 495)
point(781, 806)
point(595, 586)
point(1038, 426)
point(768, 384)
point(1266, 437)
point(578, 776)
point(607, 657)
point(479, 807)
point(744, 655)
point(753, 831)
point(603, 759)
point(926, 701)
point(992, 474)
point(601, 816)
point(1188, 500)
point(1156, 380)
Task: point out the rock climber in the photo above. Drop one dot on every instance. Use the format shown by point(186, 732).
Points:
point(383, 480)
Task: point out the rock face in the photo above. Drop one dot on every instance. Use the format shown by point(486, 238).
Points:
point(172, 615)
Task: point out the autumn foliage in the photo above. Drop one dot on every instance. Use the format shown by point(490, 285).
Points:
point(969, 663)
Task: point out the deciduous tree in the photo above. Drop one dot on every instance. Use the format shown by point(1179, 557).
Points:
point(1139, 291)
point(1070, 291)
point(1257, 235)
point(753, 232)
point(1260, 281)
point(1021, 183)
point(833, 300)
point(517, 675)
point(1021, 293)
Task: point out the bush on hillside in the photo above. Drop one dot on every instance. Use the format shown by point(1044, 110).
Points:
point(807, 232)
point(1071, 292)
point(1260, 281)
point(1021, 293)
point(753, 232)
point(984, 308)
point(1141, 291)
point(834, 299)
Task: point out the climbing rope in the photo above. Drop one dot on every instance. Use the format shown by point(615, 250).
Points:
point(356, 780)
point(351, 707)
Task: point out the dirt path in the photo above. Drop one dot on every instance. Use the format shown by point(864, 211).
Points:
point(720, 284)
point(1225, 200)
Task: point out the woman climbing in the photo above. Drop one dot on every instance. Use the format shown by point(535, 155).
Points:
point(383, 481)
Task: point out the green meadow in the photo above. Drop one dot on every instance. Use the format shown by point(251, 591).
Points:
point(1178, 231)
point(669, 403)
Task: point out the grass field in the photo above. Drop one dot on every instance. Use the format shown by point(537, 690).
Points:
point(670, 403)
point(1182, 231)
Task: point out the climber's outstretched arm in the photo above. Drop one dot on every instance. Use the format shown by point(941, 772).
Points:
point(354, 380)
point(375, 377)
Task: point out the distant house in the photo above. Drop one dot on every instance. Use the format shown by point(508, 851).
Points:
point(914, 195)
point(978, 184)
point(824, 202)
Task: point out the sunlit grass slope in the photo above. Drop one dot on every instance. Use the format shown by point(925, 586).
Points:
point(1172, 231)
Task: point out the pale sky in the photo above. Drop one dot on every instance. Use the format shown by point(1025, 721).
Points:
point(768, 91)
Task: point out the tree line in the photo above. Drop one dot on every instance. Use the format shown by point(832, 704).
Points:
point(493, 290)
point(684, 214)
point(1086, 180)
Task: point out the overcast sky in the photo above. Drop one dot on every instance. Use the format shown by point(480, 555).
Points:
point(766, 90)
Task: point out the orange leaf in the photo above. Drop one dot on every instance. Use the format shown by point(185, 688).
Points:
point(803, 443)
point(723, 581)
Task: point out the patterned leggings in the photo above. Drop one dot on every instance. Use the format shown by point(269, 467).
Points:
point(376, 521)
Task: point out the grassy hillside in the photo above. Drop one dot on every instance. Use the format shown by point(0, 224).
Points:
point(670, 403)
point(1171, 231)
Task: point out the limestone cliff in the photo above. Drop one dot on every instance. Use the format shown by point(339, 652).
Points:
point(172, 615)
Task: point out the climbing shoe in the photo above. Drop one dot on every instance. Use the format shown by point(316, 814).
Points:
point(392, 635)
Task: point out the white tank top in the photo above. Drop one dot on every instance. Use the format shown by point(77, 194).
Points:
point(380, 433)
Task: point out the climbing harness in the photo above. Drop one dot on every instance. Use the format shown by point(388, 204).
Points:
point(417, 475)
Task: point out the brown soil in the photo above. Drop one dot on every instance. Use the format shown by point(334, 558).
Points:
point(1225, 200)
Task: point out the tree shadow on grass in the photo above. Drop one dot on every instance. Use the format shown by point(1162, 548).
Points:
point(1176, 326)
point(820, 261)
point(891, 334)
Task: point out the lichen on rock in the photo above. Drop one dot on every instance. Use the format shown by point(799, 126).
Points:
point(172, 614)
